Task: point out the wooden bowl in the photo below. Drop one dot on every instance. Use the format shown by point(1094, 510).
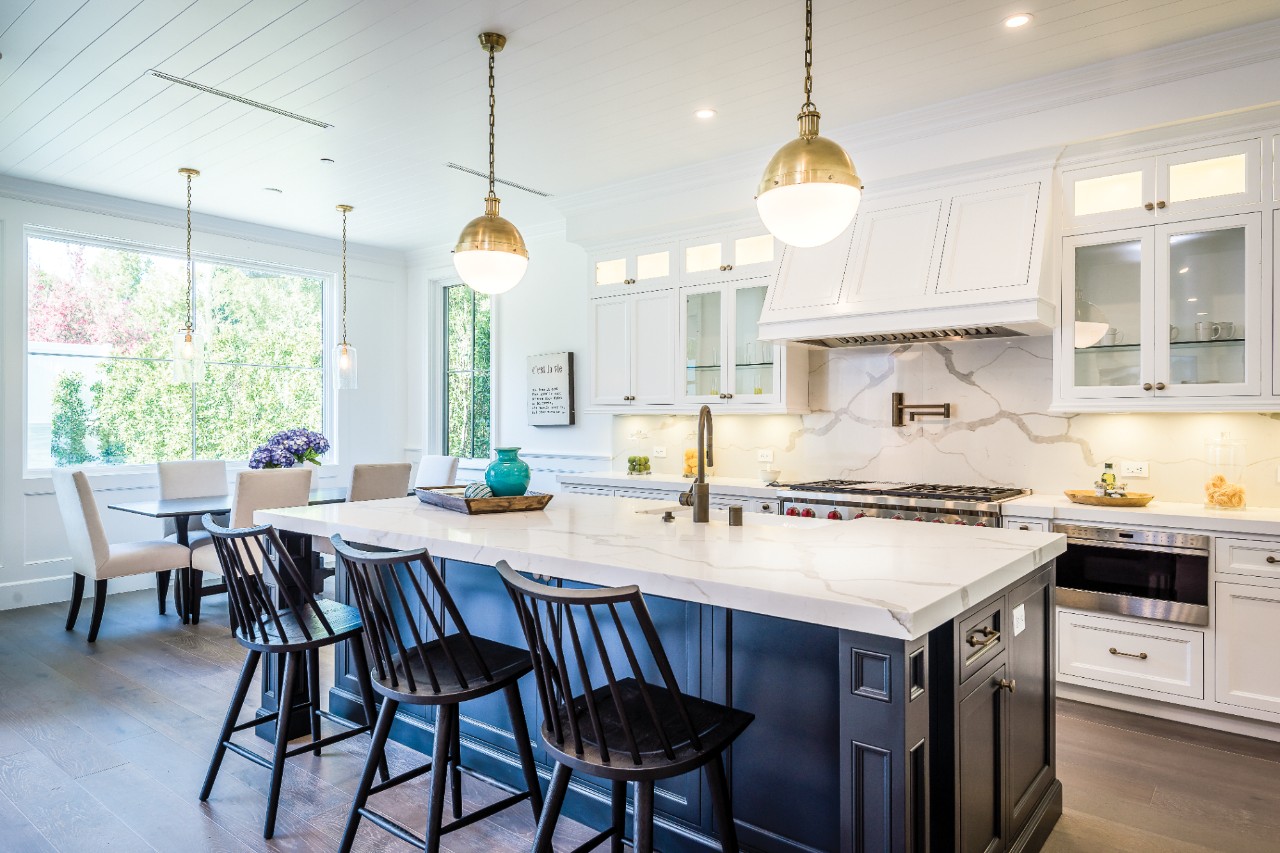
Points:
point(1087, 496)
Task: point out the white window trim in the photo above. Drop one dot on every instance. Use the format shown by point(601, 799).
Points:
point(328, 319)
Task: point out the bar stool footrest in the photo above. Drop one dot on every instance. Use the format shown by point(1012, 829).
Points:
point(595, 841)
point(248, 753)
point(324, 741)
point(403, 777)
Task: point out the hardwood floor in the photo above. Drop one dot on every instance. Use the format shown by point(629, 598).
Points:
point(104, 748)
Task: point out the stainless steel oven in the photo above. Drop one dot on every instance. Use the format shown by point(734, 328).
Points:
point(1144, 573)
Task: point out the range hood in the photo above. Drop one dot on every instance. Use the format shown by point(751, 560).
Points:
point(968, 261)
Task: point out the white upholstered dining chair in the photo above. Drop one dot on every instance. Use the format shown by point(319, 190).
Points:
point(269, 488)
point(436, 470)
point(93, 557)
point(375, 482)
point(191, 478)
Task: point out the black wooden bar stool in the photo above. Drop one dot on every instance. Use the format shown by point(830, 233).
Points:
point(626, 730)
point(419, 662)
point(273, 611)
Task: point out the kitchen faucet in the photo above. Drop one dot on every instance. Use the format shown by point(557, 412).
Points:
point(699, 494)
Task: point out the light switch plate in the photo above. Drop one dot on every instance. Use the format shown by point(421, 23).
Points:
point(764, 455)
point(660, 452)
point(1135, 470)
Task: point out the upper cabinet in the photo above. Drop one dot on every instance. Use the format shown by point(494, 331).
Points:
point(633, 350)
point(738, 254)
point(1168, 187)
point(633, 269)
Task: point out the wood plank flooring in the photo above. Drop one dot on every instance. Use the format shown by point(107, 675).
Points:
point(104, 748)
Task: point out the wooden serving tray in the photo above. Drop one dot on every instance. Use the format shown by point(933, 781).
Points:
point(451, 498)
point(1086, 496)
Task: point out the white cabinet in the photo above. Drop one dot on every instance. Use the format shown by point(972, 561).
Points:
point(633, 269)
point(633, 349)
point(1164, 316)
point(737, 254)
point(1248, 635)
point(1133, 654)
point(990, 239)
point(894, 253)
point(1168, 187)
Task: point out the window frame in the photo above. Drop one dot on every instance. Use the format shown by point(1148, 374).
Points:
point(329, 333)
point(441, 326)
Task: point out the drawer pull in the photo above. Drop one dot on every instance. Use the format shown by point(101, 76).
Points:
point(1139, 655)
point(1272, 559)
point(990, 636)
point(1010, 684)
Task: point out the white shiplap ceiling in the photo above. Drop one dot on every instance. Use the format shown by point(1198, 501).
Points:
point(589, 93)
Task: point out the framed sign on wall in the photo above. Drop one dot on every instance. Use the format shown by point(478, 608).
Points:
point(550, 379)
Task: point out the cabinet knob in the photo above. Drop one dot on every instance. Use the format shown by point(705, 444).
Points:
point(1272, 559)
point(1159, 386)
point(728, 396)
point(1161, 205)
point(1149, 206)
point(730, 266)
point(1147, 386)
point(1010, 684)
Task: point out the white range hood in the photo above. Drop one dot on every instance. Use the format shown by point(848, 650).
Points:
point(951, 262)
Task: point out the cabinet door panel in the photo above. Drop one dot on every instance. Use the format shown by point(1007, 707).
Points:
point(1209, 178)
point(611, 348)
point(893, 253)
point(989, 240)
point(811, 277)
point(980, 731)
point(1248, 622)
point(1031, 732)
point(653, 348)
point(1108, 196)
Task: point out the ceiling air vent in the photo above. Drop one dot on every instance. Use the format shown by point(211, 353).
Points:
point(257, 105)
point(926, 337)
point(485, 175)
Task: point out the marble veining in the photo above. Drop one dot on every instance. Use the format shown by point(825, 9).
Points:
point(881, 577)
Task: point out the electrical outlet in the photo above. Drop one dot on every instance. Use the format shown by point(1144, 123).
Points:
point(1135, 470)
point(660, 453)
point(764, 455)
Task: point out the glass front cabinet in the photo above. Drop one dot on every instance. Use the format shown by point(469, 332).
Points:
point(1163, 312)
point(724, 360)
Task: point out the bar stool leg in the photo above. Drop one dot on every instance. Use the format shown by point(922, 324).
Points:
point(313, 689)
point(515, 707)
point(619, 804)
point(455, 766)
point(285, 704)
point(193, 594)
point(233, 714)
point(551, 809)
point(77, 595)
point(446, 720)
point(367, 699)
point(377, 757)
point(644, 818)
point(721, 804)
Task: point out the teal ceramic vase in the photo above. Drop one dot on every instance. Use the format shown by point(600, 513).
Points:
point(508, 475)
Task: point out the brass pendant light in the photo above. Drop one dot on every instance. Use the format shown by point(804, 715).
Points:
point(344, 354)
point(491, 256)
point(188, 345)
point(810, 190)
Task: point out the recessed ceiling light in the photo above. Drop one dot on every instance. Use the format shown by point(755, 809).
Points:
point(272, 190)
point(705, 113)
point(1183, 270)
point(1202, 313)
point(1193, 299)
point(1019, 20)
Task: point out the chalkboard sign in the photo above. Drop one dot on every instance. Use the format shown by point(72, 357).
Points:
point(551, 389)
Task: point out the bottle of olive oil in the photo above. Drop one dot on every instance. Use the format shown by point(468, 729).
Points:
point(1108, 476)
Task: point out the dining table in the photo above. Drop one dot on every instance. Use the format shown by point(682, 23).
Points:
point(182, 510)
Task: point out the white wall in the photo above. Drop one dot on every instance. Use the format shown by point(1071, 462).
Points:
point(366, 425)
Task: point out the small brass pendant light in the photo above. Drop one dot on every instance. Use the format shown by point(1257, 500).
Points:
point(344, 354)
point(810, 190)
point(491, 256)
point(188, 345)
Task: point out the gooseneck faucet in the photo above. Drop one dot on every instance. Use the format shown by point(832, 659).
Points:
point(699, 494)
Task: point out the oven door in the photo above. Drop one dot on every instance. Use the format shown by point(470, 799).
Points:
point(1148, 580)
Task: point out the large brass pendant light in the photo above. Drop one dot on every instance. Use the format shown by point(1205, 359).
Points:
point(188, 345)
point(491, 256)
point(810, 191)
point(344, 354)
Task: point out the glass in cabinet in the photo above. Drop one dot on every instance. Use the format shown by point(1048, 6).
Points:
point(741, 254)
point(1107, 312)
point(623, 271)
point(725, 361)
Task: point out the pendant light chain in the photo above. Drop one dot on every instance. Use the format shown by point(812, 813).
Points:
point(808, 104)
point(344, 277)
point(190, 319)
point(492, 103)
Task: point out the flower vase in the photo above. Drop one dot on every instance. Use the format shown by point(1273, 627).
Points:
point(508, 475)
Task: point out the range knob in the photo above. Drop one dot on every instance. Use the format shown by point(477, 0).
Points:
point(808, 513)
point(980, 524)
point(898, 517)
point(918, 518)
point(939, 520)
point(861, 515)
point(958, 521)
point(835, 515)
point(792, 511)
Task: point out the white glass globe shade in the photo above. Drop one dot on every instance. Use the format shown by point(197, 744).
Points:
point(489, 271)
point(810, 214)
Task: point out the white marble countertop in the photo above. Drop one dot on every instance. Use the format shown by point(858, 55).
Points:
point(883, 577)
point(1158, 513)
point(622, 480)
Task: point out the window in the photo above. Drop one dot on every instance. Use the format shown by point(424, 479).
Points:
point(466, 395)
point(100, 387)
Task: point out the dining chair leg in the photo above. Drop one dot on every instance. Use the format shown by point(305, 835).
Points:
point(193, 594)
point(551, 808)
point(446, 720)
point(233, 714)
point(182, 598)
point(721, 805)
point(162, 590)
point(367, 698)
point(619, 805)
point(285, 705)
point(377, 757)
point(77, 595)
point(520, 731)
point(644, 818)
point(99, 602)
point(313, 691)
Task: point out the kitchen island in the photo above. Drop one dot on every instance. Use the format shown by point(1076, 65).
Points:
point(900, 673)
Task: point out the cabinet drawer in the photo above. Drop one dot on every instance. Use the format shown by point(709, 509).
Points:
point(981, 638)
point(1256, 558)
point(1041, 524)
point(1131, 653)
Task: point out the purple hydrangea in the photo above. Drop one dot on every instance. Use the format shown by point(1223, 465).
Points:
point(288, 448)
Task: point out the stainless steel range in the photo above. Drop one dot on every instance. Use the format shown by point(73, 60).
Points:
point(977, 506)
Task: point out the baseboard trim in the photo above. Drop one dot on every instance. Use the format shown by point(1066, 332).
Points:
point(1166, 711)
point(51, 590)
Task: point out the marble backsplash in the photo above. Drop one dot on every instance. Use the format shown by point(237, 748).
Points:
point(999, 433)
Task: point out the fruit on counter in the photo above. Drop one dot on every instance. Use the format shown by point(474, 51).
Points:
point(638, 465)
point(1222, 494)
